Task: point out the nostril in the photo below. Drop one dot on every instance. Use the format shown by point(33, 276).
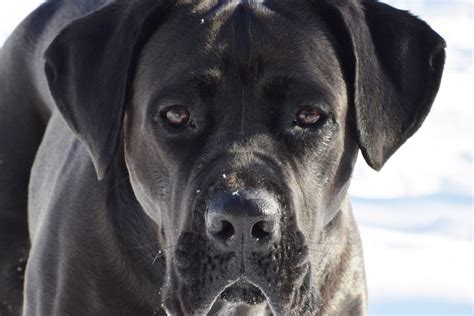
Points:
point(262, 229)
point(223, 229)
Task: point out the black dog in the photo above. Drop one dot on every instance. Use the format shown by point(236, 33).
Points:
point(193, 157)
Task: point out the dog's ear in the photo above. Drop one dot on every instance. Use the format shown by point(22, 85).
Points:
point(393, 63)
point(89, 66)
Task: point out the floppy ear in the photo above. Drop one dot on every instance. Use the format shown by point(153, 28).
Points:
point(89, 67)
point(394, 62)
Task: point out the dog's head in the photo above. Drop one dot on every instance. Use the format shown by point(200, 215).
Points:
point(241, 123)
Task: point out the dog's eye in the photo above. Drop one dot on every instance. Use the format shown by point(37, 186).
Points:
point(308, 117)
point(176, 115)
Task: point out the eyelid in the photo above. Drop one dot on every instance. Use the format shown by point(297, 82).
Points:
point(173, 105)
point(320, 107)
point(165, 104)
point(161, 114)
point(170, 96)
point(157, 106)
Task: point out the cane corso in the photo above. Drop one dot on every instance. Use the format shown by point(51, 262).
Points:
point(193, 157)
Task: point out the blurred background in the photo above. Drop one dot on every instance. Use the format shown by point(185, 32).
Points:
point(416, 215)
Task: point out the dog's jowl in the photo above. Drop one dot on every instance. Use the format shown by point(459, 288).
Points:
point(193, 157)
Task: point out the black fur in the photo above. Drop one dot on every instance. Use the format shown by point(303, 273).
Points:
point(102, 45)
point(117, 198)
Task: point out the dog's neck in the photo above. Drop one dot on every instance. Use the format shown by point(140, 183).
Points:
point(134, 238)
point(341, 276)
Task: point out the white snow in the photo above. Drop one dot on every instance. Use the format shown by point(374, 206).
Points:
point(415, 215)
point(438, 159)
point(418, 251)
point(12, 13)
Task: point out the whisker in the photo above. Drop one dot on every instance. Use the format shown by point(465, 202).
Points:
point(147, 245)
point(120, 181)
point(319, 251)
point(160, 253)
point(330, 243)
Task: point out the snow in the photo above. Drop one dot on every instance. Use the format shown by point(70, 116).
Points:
point(417, 251)
point(438, 159)
point(12, 13)
point(415, 215)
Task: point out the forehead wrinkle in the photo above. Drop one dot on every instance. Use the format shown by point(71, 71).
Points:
point(190, 81)
point(240, 51)
point(294, 49)
point(213, 8)
point(230, 34)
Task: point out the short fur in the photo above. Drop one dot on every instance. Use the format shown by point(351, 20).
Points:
point(109, 203)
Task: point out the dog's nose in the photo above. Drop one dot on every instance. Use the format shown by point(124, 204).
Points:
point(238, 220)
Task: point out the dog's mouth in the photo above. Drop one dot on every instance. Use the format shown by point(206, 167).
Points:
point(243, 292)
point(204, 299)
point(202, 278)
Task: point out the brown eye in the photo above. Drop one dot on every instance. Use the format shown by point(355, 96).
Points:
point(308, 117)
point(177, 115)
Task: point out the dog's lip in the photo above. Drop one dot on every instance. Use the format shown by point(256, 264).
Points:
point(270, 294)
point(213, 292)
point(241, 285)
point(242, 282)
point(276, 307)
point(179, 307)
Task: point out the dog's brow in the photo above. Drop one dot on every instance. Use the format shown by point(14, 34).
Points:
point(277, 80)
point(201, 83)
point(304, 88)
point(209, 77)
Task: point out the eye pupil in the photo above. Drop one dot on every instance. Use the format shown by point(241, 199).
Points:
point(308, 117)
point(177, 116)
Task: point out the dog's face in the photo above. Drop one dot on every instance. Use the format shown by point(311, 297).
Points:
point(240, 152)
point(242, 123)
